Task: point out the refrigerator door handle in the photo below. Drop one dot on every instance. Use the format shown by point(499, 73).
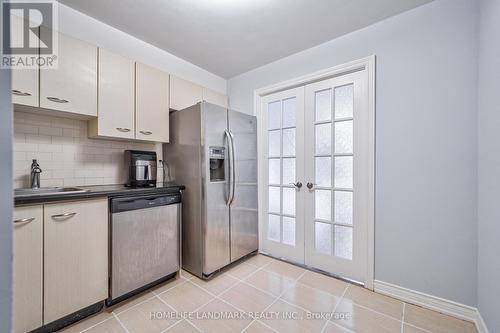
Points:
point(233, 169)
point(230, 166)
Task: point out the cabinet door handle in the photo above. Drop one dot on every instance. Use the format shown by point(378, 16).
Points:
point(20, 93)
point(28, 220)
point(57, 100)
point(122, 129)
point(146, 132)
point(62, 216)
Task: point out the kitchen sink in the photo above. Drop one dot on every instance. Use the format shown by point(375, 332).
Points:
point(25, 192)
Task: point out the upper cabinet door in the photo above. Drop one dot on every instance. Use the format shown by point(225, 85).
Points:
point(184, 93)
point(214, 97)
point(151, 104)
point(24, 81)
point(116, 97)
point(72, 87)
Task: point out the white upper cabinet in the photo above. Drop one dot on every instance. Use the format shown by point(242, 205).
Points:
point(184, 93)
point(214, 97)
point(115, 108)
point(72, 87)
point(24, 81)
point(151, 104)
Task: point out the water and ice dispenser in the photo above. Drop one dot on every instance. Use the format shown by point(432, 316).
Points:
point(217, 157)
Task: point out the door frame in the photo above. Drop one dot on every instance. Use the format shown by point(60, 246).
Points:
point(367, 64)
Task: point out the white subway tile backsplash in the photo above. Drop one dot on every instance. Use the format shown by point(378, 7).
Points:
point(65, 153)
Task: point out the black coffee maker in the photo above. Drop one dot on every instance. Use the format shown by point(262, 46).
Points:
point(141, 168)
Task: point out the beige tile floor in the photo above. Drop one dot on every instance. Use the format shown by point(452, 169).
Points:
point(261, 294)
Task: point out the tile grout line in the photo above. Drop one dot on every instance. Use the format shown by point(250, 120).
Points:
point(297, 281)
point(175, 310)
point(92, 326)
point(273, 302)
point(150, 298)
point(120, 322)
point(335, 308)
point(420, 328)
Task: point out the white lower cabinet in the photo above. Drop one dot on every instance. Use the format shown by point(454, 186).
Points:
point(28, 268)
point(60, 260)
point(75, 256)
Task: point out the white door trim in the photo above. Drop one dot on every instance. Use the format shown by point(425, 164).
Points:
point(367, 64)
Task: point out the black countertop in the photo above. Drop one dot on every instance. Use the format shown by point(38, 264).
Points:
point(96, 191)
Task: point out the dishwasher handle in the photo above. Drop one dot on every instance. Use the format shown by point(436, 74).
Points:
point(127, 204)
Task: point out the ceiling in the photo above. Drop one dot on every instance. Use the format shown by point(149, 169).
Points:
point(230, 37)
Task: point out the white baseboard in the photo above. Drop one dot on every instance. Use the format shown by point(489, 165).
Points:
point(480, 324)
point(442, 305)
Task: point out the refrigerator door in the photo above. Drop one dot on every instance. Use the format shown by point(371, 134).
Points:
point(216, 241)
point(244, 209)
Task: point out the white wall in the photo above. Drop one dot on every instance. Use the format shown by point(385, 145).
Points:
point(489, 164)
point(6, 202)
point(86, 28)
point(425, 140)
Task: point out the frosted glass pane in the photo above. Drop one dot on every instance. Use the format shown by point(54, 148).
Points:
point(344, 101)
point(323, 237)
point(273, 115)
point(274, 199)
point(323, 171)
point(343, 137)
point(273, 228)
point(323, 105)
point(343, 172)
point(289, 201)
point(343, 242)
point(274, 143)
point(274, 171)
point(289, 142)
point(289, 112)
point(323, 139)
point(289, 230)
point(288, 170)
point(343, 207)
point(323, 204)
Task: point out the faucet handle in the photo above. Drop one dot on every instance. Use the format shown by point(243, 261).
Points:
point(35, 167)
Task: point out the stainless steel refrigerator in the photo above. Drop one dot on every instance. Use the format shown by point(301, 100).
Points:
point(213, 152)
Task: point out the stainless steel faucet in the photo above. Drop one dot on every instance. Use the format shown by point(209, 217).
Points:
point(35, 175)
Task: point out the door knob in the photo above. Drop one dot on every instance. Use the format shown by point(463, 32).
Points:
point(310, 185)
point(297, 184)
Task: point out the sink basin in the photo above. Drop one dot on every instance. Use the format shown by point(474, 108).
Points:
point(24, 192)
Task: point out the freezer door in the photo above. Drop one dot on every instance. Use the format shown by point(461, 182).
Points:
point(244, 209)
point(215, 191)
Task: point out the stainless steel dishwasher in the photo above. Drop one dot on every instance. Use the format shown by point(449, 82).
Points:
point(145, 243)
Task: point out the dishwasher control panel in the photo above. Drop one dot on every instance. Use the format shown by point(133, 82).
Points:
point(133, 203)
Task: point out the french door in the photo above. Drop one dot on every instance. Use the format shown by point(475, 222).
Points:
point(317, 142)
point(283, 127)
